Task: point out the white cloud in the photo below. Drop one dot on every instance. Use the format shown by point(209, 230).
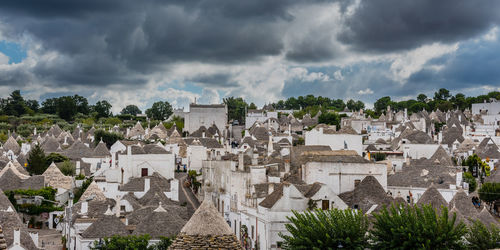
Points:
point(3, 59)
point(303, 75)
point(492, 34)
point(405, 64)
point(209, 96)
point(367, 91)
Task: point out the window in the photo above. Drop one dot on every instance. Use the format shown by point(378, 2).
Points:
point(356, 183)
point(252, 232)
point(122, 208)
point(144, 172)
point(325, 204)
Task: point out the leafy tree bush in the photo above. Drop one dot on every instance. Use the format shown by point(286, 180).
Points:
point(490, 192)
point(329, 118)
point(68, 168)
point(102, 109)
point(481, 237)
point(47, 193)
point(235, 108)
point(78, 192)
point(36, 161)
point(160, 110)
point(326, 229)
point(131, 242)
point(414, 227)
point(107, 137)
point(55, 157)
point(471, 180)
point(131, 110)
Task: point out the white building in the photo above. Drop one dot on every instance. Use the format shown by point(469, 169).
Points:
point(490, 108)
point(256, 115)
point(340, 170)
point(337, 140)
point(205, 115)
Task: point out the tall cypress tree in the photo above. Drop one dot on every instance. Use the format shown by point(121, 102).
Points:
point(36, 161)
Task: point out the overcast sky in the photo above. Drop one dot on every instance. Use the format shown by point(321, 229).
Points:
point(136, 52)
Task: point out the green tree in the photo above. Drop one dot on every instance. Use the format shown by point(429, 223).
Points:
point(33, 105)
point(49, 106)
point(68, 168)
point(107, 137)
point(102, 108)
point(235, 108)
point(164, 243)
point(131, 242)
point(415, 227)
point(329, 118)
point(442, 94)
point(16, 105)
point(82, 105)
point(160, 110)
point(480, 236)
point(326, 229)
point(490, 192)
point(381, 104)
point(131, 110)
point(66, 107)
point(422, 98)
point(252, 106)
point(471, 180)
point(36, 161)
point(55, 157)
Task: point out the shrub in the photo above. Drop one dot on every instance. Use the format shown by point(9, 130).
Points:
point(68, 168)
point(481, 237)
point(326, 229)
point(414, 227)
point(471, 180)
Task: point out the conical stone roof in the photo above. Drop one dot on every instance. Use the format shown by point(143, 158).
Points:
point(206, 229)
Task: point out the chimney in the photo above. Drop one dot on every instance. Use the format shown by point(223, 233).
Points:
point(129, 150)
point(85, 208)
point(128, 131)
point(118, 198)
point(78, 170)
point(440, 137)
point(270, 188)
point(203, 134)
point(17, 237)
point(270, 149)
point(241, 161)
point(147, 184)
point(459, 178)
point(255, 161)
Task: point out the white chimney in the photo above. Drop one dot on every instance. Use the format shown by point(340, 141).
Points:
point(118, 198)
point(129, 150)
point(270, 188)
point(147, 184)
point(459, 178)
point(241, 161)
point(17, 237)
point(78, 170)
point(85, 208)
point(203, 134)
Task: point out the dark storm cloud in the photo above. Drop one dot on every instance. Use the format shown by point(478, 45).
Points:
point(472, 66)
point(214, 80)
point(106, 42)
point(389, 25)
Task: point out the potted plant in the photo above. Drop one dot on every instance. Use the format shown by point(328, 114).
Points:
point(31, 222)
